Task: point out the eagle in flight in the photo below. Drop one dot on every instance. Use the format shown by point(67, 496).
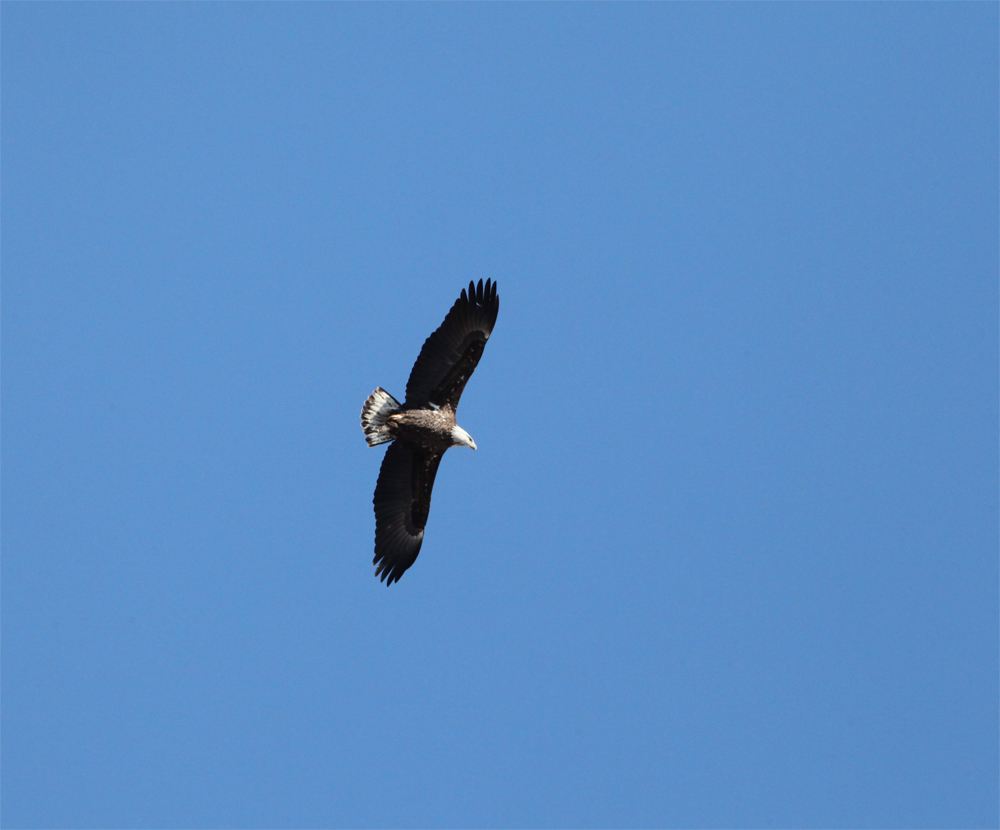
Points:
point(424, 427)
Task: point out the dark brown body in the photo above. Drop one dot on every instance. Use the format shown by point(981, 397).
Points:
point(427, 428)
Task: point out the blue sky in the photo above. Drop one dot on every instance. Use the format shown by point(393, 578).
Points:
point(727, 554)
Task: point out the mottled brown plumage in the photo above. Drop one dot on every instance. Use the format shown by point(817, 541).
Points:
point(424, 427)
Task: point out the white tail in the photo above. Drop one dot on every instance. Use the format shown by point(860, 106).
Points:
point(379, 406)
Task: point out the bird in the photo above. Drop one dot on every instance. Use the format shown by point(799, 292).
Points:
point(423, 427)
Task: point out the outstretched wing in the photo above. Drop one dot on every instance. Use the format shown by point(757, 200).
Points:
point(402, 501)
point(450, 355)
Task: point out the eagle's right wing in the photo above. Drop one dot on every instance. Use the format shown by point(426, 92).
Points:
point(450, 355)
point(402, 502)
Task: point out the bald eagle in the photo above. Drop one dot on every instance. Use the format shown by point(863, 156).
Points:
point(424, 427)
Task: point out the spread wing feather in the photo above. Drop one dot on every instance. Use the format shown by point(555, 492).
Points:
point(450, 355)
point(402, 502)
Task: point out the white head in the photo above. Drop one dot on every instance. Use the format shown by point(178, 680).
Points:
point(460, 438)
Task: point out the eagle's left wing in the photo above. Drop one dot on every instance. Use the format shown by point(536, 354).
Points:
point(450, 355)
point(402, 502)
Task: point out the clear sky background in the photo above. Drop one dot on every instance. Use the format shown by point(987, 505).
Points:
point(727, 555)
